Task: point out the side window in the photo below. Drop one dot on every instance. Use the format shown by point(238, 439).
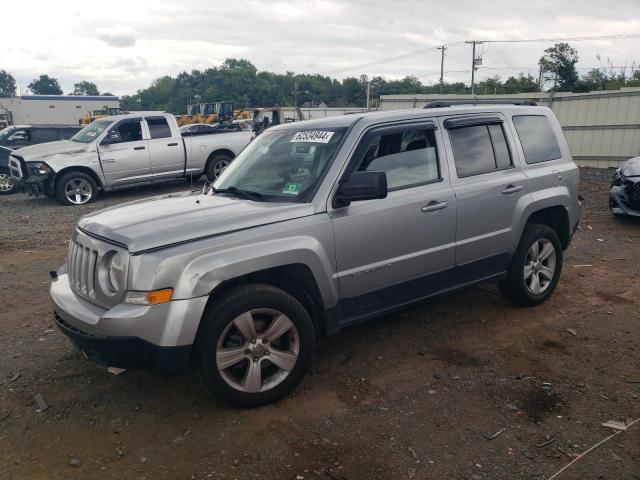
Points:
point(130, 131)
point(21, 135)
point(538, 141)
point(42, 135)
point(158, 127)
point(479, 149)
point(408, 157)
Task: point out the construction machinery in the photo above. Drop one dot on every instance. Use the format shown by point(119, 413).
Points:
point(6, 119)
point(208, 113)
point(103, 112)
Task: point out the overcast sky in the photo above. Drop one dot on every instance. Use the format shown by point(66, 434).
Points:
point(122, 45)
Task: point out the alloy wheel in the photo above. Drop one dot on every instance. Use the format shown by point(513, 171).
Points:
point(6, 182)
point(540, 266)
point(219, 167)
point(78, 191)
point(257, 350)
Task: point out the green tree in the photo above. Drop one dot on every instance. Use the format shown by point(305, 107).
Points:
point(559, 64)
point(45, 85)
point(85, 88)
point(7, 84)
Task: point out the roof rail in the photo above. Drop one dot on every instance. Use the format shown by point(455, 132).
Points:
point(475, 101)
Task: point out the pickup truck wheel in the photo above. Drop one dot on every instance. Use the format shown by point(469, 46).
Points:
point(7, 185)
point(216, 165)
point(535, 269)
point(255, 345)
point(76, 188)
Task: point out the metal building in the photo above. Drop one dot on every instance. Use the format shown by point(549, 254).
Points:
point(602, 128)
point(54, 109)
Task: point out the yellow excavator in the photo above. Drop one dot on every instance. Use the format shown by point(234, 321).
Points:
point(217, 112)
point(103, 112)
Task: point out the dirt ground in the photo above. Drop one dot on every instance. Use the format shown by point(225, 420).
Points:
point(418, 394)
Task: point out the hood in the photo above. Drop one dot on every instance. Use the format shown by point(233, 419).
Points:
point(631, 167)
point(162, 221)
point(43, 150)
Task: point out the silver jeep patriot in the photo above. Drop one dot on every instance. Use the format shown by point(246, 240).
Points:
point(315, 226)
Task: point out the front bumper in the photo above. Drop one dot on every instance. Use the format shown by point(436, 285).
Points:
point(619, 201)
point(158, 337)
point(27, 179)
point(127, 352)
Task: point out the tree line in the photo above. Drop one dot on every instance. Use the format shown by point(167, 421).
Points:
point(238, 80)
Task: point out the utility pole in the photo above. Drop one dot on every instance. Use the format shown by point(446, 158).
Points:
point(295, 93)
point(540, 79)
point(368, 94)
point(474, 61)
point(443, 48)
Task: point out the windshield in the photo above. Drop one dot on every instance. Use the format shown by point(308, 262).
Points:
point(4, 134)
point(283, 165)
point(89, 133)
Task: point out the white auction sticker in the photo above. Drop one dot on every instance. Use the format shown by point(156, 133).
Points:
point(314, 136)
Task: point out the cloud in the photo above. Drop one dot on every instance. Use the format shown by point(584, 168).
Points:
point(125, 52)
point(118, 36)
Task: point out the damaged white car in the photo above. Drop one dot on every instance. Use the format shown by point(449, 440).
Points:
point(624, 196)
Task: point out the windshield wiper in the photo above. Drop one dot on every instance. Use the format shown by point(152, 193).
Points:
point(246, 194)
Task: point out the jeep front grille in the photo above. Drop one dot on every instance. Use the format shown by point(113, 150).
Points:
point(82, 269)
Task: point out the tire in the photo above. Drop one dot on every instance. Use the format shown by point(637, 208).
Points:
point(520, 286)
point(7, 185)
point(216, 165)
point(86, 189)
point(237, 382)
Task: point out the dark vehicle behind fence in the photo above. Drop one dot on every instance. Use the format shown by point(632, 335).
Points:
point(14, 137)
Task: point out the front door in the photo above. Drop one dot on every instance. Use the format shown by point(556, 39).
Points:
point(401, 248)
point(126, 158)
point(488, 185)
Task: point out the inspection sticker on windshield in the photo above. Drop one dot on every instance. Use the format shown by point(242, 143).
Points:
point(292, 188)
point(314, 136)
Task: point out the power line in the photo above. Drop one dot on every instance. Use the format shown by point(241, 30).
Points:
point(415, 53)
point(381, 61)
point(569, 39)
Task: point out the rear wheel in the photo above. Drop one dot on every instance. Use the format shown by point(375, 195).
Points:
point(7, 185)
point(216, 165)
point(255, 346)
point(76, 188)
point(535, 268)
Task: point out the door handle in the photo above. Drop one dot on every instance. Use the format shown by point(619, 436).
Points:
point(433, 206)
point(512, 189)
point(175, 144)
point(138, 148)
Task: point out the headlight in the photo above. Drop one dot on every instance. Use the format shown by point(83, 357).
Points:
point(112, 272)
point(153, 297)
point(41, 168)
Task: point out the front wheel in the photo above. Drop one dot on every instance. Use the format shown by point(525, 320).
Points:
point(7, 185)
point(76, 188)
point(535, 268)
point(255, 345)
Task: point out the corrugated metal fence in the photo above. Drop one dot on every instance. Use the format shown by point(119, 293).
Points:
point(602, 128)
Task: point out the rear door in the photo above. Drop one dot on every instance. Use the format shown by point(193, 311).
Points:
point(127, 160)
point(489, 183)
point(397, 249)
point(166, 150)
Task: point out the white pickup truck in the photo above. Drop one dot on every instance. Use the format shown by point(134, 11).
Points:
point(122, 151)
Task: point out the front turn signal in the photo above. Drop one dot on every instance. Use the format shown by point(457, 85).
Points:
point(153, 297)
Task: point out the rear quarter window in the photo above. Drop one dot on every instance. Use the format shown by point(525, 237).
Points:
point(539, 142)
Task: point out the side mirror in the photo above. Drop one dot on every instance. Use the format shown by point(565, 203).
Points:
point(361, 186)
point(112, 137)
